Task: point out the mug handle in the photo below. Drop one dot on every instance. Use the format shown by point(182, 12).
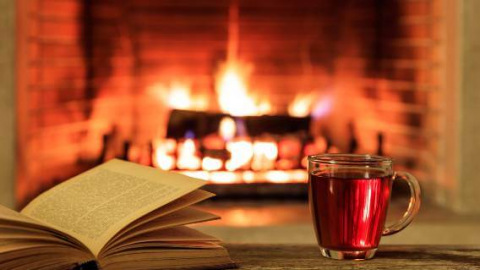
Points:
point(413, 206)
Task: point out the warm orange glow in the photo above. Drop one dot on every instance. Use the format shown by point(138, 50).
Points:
point(233, 95)
point(241, 151)
point(297, 176)
point(178, 95)
point(227, 128)
point(211, 164)
point(248, 177)
point(224, 177)
point(264, 155)
point(163, 161)
point(277, 176)
point(187, 156)
point(272, 176)
point(168, 146)
point(289, 148)
point(334, 150)
point(162, 157)
point(301, 105)
point(213, 141)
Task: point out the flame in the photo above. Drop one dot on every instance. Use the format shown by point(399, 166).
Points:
point(301, 105)
point(162, 157)
point(227, 128)
point(178, 95)
point(233, 96)
point(211, 164)
point(310, 104)
point(164, 161)
point(266, 148)
point(187, 156)
point(241, 153)
point(264, 155)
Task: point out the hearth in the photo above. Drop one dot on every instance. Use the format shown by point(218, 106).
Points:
point(235, 92)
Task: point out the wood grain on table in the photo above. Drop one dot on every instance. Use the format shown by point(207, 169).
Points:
point(296, 257)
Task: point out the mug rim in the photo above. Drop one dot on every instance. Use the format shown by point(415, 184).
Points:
point(351, 159)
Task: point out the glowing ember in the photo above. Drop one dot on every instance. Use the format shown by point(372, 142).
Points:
point(241, 151)
point(227, 128)
point(264, 155)
point(277, 176)
point(224, 177)
point(248, 176)
point(299, 176)
point(163, 161)
point(187, 156)
point(273, 176)
point(162, 155)
point(213, 141)
point(211, 164)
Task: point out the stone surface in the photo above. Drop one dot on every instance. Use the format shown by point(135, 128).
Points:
point(388, 257)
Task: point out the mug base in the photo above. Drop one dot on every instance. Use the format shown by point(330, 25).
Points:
point(348, 255)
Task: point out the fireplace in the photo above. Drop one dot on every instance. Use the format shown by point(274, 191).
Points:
point(234, 92)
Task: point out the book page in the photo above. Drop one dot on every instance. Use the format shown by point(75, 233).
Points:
point(183, 202)
point(95, 205)
point(11, 216)
point(166, 237)
point(182, 217)
point(10, 219)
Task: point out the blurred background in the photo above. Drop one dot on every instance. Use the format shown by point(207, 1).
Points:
point(238, 93)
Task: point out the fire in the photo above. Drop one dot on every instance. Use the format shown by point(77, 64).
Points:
point(178, 95)
point(187, 156)
point(233, 95)
point(301, 105)
point(227, 128)
point(162, 155)
point(277, 176)
point(241, 151)
point(211, 164)
point(224, 177)
point(264, 155)
point(164, 161)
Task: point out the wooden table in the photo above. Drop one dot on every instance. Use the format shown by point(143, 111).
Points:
point(387, 257)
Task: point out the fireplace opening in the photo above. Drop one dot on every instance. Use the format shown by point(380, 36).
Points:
point(235, 92)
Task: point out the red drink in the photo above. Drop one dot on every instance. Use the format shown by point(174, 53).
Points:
point(349, 208)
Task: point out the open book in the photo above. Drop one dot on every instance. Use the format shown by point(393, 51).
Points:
point(118, 215)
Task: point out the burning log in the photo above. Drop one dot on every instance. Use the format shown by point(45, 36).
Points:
point(203, 123)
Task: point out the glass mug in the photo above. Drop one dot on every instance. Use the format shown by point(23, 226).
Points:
point(349, 196)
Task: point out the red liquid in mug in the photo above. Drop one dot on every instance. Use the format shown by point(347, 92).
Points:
point(349, 209)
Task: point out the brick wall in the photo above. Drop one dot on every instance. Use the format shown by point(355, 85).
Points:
point(90, 65)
